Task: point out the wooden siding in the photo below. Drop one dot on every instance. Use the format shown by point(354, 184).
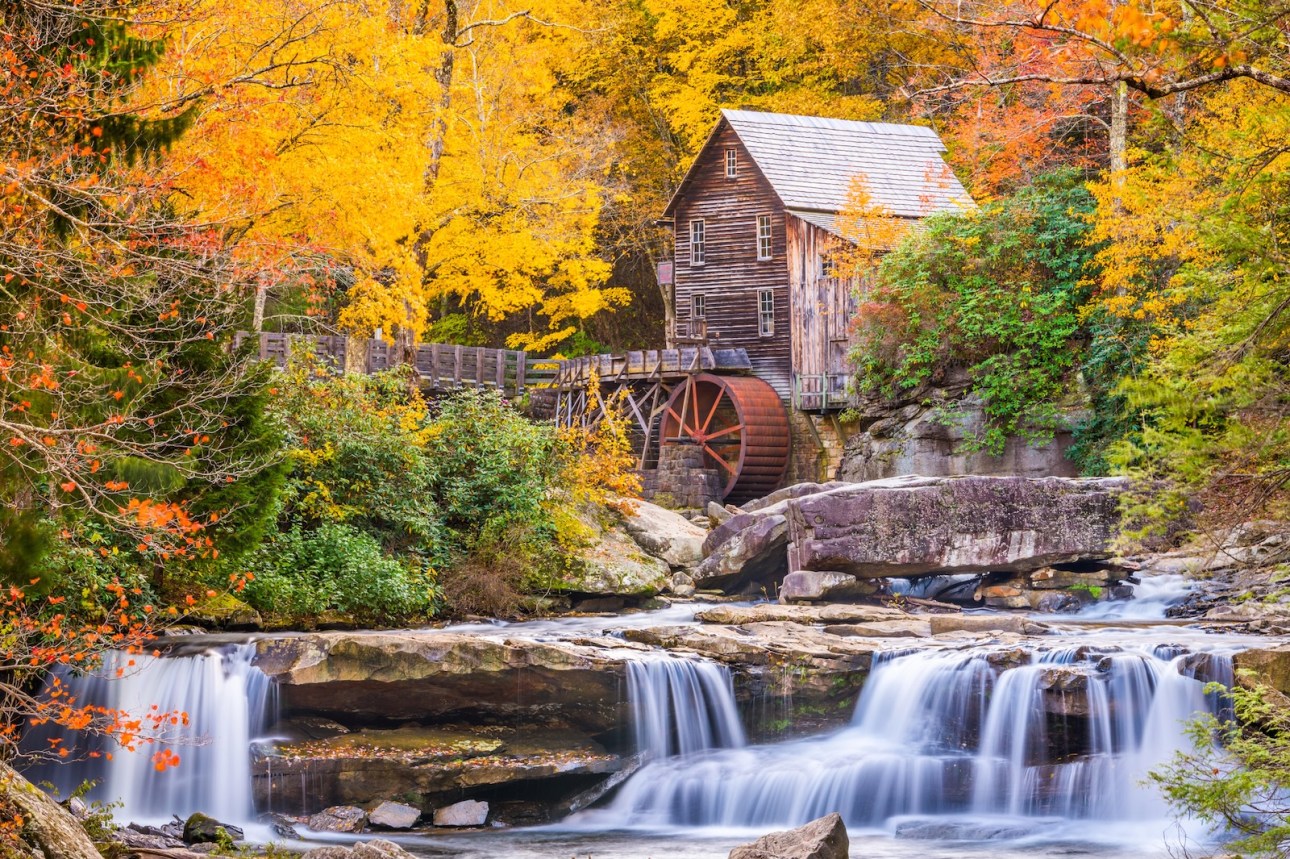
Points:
point(731, 275)
point(822, 309)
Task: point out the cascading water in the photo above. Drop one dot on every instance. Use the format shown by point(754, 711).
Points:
point(1067, 733)
point(228, 701)
point(682, 707)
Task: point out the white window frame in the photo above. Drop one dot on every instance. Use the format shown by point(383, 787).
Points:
point(698, 306)
point(698, 242)
point(732, 163)
point(765, 248)
point(828, 268)
point(766, 312)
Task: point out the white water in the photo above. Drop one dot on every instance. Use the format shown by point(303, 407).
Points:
point(228, 702)
point(682, 707)
point(1151, 597)
point(951, 736)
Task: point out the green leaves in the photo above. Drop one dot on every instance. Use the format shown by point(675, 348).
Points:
point(996, 291)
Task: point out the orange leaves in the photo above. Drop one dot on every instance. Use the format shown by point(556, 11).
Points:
point(164, 759)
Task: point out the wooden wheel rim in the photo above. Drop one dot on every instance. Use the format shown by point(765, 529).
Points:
point(741, 425)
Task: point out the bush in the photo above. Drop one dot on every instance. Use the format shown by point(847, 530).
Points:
point(997, 291)
point(337, 568)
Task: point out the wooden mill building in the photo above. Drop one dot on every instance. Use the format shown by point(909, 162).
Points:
point(755, 220)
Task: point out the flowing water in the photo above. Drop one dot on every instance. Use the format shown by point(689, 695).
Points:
point(1034, 749)
point(229, 702)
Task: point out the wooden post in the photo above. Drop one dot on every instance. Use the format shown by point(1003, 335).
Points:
point(456, 366)
point(479, 367)
point(501, 370)
point(520, 359)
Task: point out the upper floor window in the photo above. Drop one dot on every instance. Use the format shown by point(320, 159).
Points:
point(697, 243)
point(763, 237)
point(766, 312)
point(698, 306)
point(827, 267)
point(732, 163)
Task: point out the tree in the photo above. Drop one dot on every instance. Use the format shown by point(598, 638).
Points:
point(119, 396)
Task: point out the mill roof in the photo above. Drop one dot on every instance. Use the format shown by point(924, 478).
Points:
point(810, 162)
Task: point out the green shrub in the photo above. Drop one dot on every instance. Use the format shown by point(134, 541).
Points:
point(337, 568)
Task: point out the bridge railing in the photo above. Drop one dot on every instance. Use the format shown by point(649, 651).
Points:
point(440, 366)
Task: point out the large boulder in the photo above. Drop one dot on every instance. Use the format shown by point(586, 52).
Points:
point(825, 838)
point(201, 829)
point(663, 533)
point(378, 678)
point(612, 563)
point(339, 818)
point(916, 526)
point(49, 831)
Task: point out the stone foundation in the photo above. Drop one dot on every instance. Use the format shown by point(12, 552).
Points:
point(681, 481)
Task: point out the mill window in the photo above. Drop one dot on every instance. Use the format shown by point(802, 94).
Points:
point(697, 245)
point(766, 312)
point(732, 163)
point(698, 306)
point(763, 237)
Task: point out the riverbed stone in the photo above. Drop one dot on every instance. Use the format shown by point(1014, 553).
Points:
point(199, 828)
point(467, 813)
point(825, 586)
point(825, 838)
point(393, 815)
point(339, 818)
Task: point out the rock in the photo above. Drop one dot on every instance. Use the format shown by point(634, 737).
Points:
point(225, 612)
point(768, 612)
point(885, 629)
point(917, 526)
point(821, 586)
point(613, 564)
point(955, 830)
point(750, 547)
point(49, 829)
point(339, 818)
point(131, 838)
point(923, 436)
point(797, 490)
point(333, 852)
point(281, 825)
point(914, 526)
point(664, 534)
point(435, 764)
point(379, 848)
point(77, 807)
point(717, 514)
point(1061, 602)
point(682, 585)
point(944, 623)
point(1050, 579)
point(199, 828)
point(444, 677)
point(468, 813)
point(393, 815)
point(825, 838)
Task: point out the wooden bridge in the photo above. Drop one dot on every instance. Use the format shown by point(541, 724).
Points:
point(440, 367)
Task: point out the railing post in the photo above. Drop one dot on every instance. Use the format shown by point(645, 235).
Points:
point(520, 359)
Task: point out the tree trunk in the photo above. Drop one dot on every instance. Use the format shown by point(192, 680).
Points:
point(257, 314)
point(1119, 128)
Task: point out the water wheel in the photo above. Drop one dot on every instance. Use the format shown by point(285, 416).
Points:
point(741, 425)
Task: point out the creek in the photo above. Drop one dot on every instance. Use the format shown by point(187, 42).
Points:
point(1035, 746)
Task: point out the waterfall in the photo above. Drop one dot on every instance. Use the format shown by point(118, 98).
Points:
point(1066, 733)
point(681, 707)
point(228, 701)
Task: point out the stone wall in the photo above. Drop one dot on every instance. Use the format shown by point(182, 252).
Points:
point(680, 481)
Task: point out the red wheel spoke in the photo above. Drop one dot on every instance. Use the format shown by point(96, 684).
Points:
point(721, 392)
point(720, 460)
point(726, 431)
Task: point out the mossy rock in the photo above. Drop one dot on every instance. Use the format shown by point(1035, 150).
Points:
point(225, 611)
